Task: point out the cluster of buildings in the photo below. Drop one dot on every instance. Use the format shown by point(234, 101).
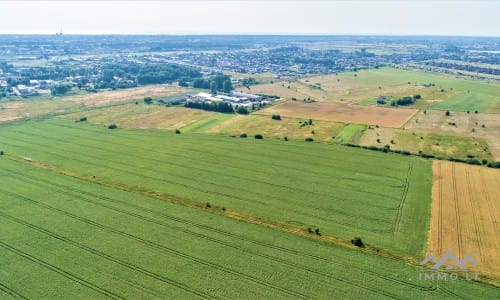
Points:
point(234, 98)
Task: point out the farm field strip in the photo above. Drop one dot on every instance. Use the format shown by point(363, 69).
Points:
point(464, 214)
point(295, 207)
point(194, 164)
point(326, 160)
point(63, 214)
point(75, 149)
point(172, 173)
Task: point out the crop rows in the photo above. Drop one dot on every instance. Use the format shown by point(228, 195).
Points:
point(62, 209)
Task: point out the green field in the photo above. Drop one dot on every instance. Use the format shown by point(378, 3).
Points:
point(350, 134)
point(386, 202)
point(479, 101)
point(63, 237)
point(207, 123)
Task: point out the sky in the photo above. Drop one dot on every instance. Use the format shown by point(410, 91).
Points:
point(390, 17)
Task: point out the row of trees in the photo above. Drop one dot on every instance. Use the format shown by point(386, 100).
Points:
point(222, 107)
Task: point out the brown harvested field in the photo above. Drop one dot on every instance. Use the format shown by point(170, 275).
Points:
point(370, 115)
point(137, 93)
point(465, 214)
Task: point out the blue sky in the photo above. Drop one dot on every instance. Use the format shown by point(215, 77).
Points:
point(396, 17)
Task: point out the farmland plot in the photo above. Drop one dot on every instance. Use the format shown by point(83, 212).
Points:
point(465, 213)
point(294, 183)
point(64, 237)
point(370, 115)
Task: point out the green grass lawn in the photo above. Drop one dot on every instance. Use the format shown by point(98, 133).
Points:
point(383, 198)
point(350, 134)
point(63, 238)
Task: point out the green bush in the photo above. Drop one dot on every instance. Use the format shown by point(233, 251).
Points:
point(243, 135)
point(259, 136)
point(473, 161)
point(357, 241)
point(177, 131)
point(309, 139)
point(112, 126)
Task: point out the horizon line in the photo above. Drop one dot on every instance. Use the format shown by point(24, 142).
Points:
point(262, 34)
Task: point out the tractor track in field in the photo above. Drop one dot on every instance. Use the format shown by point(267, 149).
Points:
point(161, 248)
point(60, 271)
point(107, 257)
point(399, 214)
point(457, 211)
point(11, 292)
point(440, 221)
point(162, 180)
point(154, 221)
